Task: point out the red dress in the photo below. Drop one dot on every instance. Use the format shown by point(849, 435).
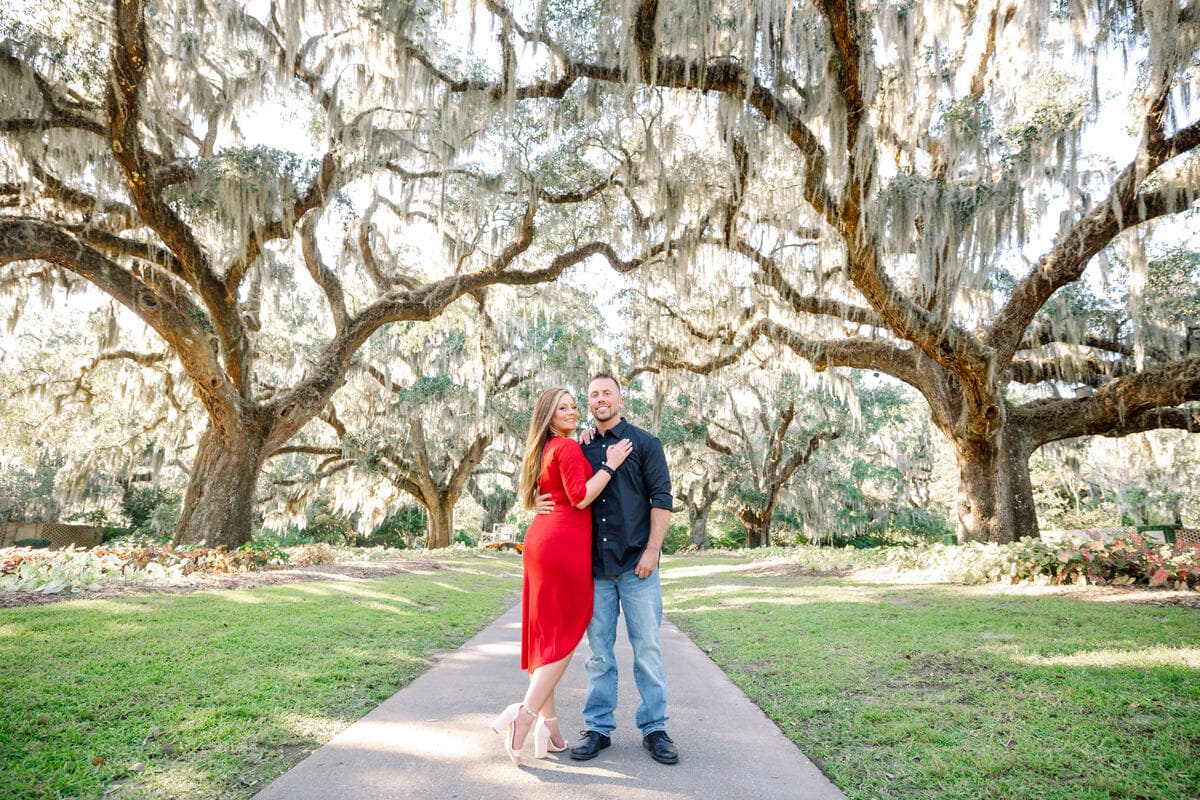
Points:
point(556, 603)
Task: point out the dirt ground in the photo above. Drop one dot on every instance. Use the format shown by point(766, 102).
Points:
point(353, 571)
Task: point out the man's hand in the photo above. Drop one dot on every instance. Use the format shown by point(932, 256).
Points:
point(544, 504)
point(647, 563)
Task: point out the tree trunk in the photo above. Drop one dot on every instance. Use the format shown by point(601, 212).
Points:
point(439, 522)
point(995, 497)
point(493, 515)
point(699, 508)
point(218, 507)
point(757, 523)
point(699, 528)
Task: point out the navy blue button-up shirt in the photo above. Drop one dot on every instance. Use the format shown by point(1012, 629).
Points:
point(621, 514)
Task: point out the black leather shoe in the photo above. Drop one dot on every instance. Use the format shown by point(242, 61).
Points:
point(661, 747)
point(590, 745)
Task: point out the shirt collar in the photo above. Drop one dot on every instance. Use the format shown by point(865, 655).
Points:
point(617, 430)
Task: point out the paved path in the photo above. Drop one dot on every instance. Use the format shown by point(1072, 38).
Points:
point(430, 740)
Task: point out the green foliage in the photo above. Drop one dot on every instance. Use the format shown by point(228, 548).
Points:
point(261, 175)
point(1054, 107)
point(1172, 292)
point(59, 35)
point(428, 388)
point(463, 538)
point(679, 537)
point(262, 554)
point(36, 543)
point(97, 517)
point(967, 119)
point(329, 526)
point(27, 495)
point(911, 526)
point(725, 532)
point(403, 528)
point(152, 511)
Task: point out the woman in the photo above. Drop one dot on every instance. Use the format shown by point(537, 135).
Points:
point(557, 599)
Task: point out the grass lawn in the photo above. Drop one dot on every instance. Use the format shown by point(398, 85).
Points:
point(211, 695)
point(901, 691)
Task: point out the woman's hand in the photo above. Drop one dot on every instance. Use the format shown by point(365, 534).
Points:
point(615, 454)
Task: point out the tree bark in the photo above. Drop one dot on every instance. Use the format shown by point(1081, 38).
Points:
point(995, 496)
point(439, 521)
point(218, 507)
point(757, 522)
point(494, 513)
point(700, 511)
point(698, 499)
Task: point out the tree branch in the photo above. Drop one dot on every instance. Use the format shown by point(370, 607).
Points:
point(172, 315)
point(1120, 404)
point(321, 274)
point(1124, 208)
point(123, 103)
point(423, 304)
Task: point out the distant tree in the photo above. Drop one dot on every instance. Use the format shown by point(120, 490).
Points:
point(761, 434)
point(426, 403)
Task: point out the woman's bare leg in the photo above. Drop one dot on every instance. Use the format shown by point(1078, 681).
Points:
point(541, 691)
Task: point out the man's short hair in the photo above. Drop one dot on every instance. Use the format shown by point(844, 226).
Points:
point(607, 376)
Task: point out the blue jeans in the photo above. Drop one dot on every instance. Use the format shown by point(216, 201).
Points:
point(641, 601)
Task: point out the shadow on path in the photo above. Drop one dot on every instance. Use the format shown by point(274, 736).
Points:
point(431, 740)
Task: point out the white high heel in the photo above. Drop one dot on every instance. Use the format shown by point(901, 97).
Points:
point(541, 738)
point(506, 724)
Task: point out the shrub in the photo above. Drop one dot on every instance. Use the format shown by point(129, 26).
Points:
point(152, 511)
point(1122, 561)
point(311, 554)
point(679, 537)
point(52, 571)
point(32, 543)
point(405, 527)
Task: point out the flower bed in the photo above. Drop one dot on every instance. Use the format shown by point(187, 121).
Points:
point(24, 569)
point(1125, 562)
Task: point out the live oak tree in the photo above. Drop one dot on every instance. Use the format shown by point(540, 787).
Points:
point(697, 477)
point(742, 434)
point(425, 404)
point(764, 444)
point(889, 164)
point(146, 151)
point(409, 423)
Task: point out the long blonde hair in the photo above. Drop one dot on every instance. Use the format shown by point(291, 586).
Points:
point(535, 443)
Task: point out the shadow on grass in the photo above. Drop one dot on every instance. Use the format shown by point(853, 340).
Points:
point(960, 692)
point(213, 694)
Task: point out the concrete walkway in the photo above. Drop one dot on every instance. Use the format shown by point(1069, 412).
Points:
point(430, 740)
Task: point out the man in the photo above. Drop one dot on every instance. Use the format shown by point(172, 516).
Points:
point(629, 523)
